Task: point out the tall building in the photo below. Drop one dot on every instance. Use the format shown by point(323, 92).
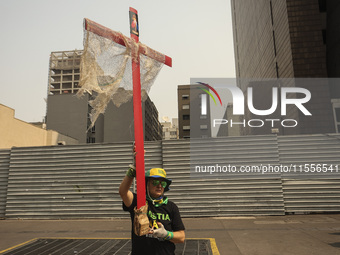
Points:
point(64, 72)
point(70, 115)
point(191, 123)
point(291, 39)
point(170, 129)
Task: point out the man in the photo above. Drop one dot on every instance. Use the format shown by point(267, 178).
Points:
point(166, 226)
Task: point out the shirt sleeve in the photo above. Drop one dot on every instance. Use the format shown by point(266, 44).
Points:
point(177, 223)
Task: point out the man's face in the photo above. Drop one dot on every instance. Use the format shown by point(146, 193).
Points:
point(155, 187)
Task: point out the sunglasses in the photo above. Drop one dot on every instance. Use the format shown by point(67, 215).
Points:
point(157, 182)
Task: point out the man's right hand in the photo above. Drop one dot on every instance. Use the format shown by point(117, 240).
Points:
point(131, 172)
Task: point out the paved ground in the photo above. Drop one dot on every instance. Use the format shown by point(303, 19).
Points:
point(296, 234)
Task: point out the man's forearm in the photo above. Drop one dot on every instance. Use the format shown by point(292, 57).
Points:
point(125, 185)
point(179, 237)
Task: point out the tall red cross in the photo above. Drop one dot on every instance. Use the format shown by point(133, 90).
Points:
point(136, 50)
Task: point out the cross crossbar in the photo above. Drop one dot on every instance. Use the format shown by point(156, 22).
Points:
point(120, 39)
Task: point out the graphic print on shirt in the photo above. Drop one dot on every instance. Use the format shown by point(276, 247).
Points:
point(154, 217)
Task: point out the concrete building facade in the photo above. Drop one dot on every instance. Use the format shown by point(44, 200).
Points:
point(170, 129)
point(70, 114)
point(183, 100)
point(15, 132)
point(191, 123)
point(277, 39)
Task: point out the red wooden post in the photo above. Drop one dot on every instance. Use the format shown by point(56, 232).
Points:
point(137, 113)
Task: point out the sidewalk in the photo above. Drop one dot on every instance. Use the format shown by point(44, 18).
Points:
point(293, 234)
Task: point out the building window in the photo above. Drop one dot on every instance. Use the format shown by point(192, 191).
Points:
point(324, 36)
point(337, 119)
point(271, 12)
point(185, 97)
point(336, 114)
point(323, 5)
point(91, 140)
point(203, 104)
point(185, 107)
point(203, 126)
point(274, 44)
point(186, 128)
point(186, 117)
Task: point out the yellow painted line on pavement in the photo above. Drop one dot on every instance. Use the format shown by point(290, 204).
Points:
point(213, 245)
point(214, 248)
point(16, 246)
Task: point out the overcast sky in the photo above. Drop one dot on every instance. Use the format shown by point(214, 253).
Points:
point(197, 34)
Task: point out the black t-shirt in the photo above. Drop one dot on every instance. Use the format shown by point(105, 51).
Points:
point(168, 215)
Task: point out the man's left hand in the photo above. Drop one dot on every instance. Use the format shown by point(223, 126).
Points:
point(160, 232)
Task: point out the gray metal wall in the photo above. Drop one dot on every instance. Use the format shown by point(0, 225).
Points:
point(4, 165)
point(82, 181)
point(239, 195)
point(315, 192)
point(66, 181)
